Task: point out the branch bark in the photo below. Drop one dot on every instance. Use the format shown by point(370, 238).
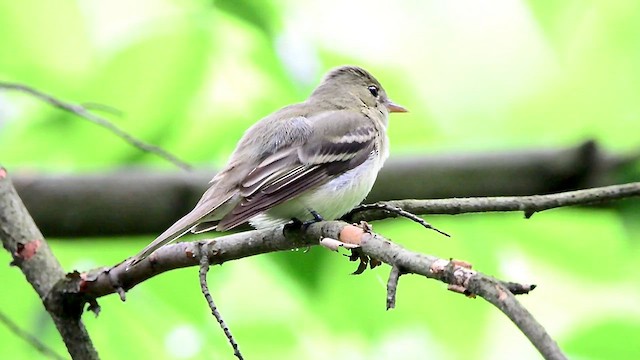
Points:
point(64, 297)
point(104, 281)
point(494, 291)
point(527, 204)
point(204, 269)
point(31, 253)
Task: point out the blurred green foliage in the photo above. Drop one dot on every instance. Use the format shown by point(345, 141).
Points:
point(190, 76)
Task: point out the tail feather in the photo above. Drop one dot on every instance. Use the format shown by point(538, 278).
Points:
point(205, 227)
point(203, 212)
point(172, 233)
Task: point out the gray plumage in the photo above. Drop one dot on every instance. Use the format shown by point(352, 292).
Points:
point(322, 155)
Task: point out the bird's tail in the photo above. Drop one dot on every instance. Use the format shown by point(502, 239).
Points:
point(205, 211)
point(175, 231)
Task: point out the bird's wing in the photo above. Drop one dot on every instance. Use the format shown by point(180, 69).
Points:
point(286, 126)
point(341, 140)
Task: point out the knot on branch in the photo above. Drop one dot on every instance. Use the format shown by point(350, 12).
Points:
point(65, 298)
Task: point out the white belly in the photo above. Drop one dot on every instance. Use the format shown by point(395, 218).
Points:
point(330, 200)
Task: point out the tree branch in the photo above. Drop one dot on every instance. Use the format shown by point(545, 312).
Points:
point(498, 295)
point(32, 340)
point(140, 201)
point(528, 204)
point(64, 297)
point(204, 269)
point(86, 287)
point(392, 286)
point(99, 282)
point(77, 289)
point(492, 290)
point(31, 253)
point(84, 113)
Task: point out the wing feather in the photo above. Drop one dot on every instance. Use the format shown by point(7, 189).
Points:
point(287, 174)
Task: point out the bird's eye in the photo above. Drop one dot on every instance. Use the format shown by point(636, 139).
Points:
point(373, 90)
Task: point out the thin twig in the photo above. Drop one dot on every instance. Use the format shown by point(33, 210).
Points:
point(528, 204)
point(32, 340)
point(87, 115)
point(519, 289)
point(394, 210)
point(204, 268)
point(91, 106)
point(392, 286)
point(499, 295)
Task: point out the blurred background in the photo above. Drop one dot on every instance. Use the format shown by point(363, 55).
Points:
point(477, 76)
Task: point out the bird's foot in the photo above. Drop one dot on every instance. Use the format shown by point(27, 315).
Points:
point(294, 225)
point(316, 218)
point(297, 224)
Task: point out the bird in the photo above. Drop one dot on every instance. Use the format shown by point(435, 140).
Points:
point(310, 161)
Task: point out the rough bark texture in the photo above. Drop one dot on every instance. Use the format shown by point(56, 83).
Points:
point(529, 205)
point(104, 281)
point(30, 252)
point(65, 296)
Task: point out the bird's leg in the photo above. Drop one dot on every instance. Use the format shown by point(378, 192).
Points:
point(297, 224)
point(349, 217)
point(316, 218)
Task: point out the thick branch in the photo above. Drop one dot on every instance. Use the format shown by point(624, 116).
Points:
point(104, 281)
point(495, 293)
point(492, 290)
point(32, 255)
point(139, 201)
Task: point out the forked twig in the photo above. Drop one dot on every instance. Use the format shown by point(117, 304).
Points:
point(394, 210)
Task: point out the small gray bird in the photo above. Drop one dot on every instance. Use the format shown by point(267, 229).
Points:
point(314, 160)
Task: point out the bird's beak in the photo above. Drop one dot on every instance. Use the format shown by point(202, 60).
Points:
point(393, 107)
